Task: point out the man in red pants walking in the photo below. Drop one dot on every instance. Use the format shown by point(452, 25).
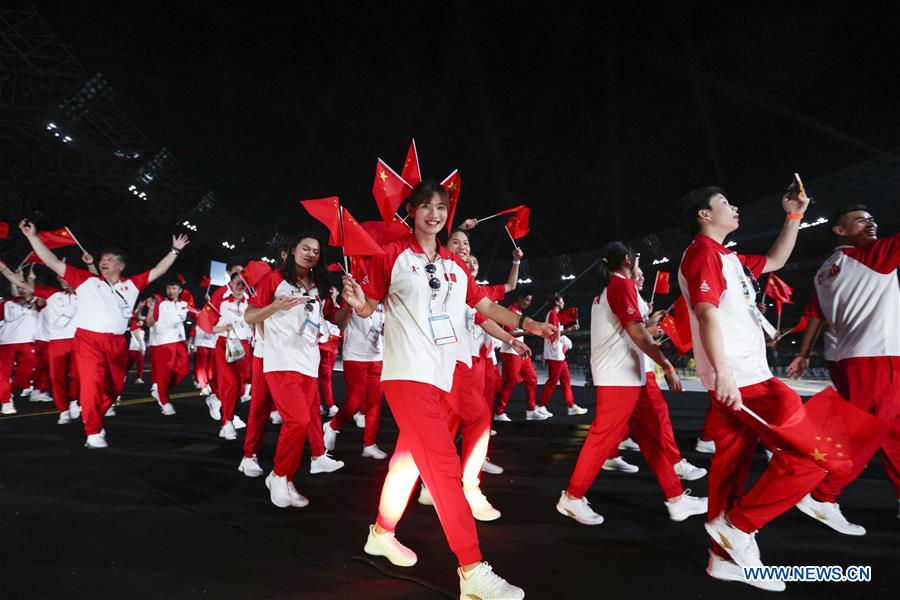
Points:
point(168, 346)
point(105, 303)
point(517, 368)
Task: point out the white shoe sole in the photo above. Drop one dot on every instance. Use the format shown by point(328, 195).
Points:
point(372, 550)
point(248, 473)
point(821, 518)
point(567, 513)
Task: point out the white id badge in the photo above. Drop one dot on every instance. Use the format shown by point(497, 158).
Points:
point(442, 330)
point(310, 331)
point(125, 310)
point(62, 321)
point(373, 334)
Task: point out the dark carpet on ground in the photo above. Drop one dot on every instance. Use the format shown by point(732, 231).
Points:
point(164, 513)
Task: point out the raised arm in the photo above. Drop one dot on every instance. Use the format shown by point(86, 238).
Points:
point(794, 208)
point(14, 279)
point(178, 244)
point(45, 254)
point(88, 261)
point(727, 391)
point(513, 280)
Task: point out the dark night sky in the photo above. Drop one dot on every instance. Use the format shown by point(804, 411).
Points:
point(562, 107)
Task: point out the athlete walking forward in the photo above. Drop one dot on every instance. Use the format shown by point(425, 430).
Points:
point(425, 289)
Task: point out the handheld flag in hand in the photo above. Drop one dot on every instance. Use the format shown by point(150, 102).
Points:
point(385, 232)
point(411, 173)
point(389, 189)
point(569, 315)
point(517, 225)
point(253, 273)
point(207, 318)
point(453, 184)
point(335, 268)
point(778, 291)
point(802, 325)
point(344, 229)
point(661, 286)
point(678, 327)
point(205, 282)
point(58, 239)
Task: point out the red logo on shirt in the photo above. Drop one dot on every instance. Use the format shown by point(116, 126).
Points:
point(832, 272)
point(451, 276)
point(414, 269)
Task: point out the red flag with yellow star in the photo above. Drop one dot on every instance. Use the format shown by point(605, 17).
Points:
point(829, 430)
point(344, 230)
point(389, 189)
point(57, 239)
point(385, 232)
point(453, 184)
point(410, 172)
point(518, 223)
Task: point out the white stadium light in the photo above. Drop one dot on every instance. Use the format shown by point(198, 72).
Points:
point(568, 277)
point(661, 261)
point(819, 221)
point(483, 282)
point(731, 244)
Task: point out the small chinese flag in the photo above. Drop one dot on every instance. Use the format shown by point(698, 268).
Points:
point(32, 259)
point(349, 234)
point(389, 189)
point(207, 318)
point(385, 232)
point(188, 297)
point(802, 325)
point(254, 272)
point(410, 172)
point(829, 430)
point(778, 291)
point(335, 268)
point(181, 279)
point(4, 230)
point(453, 185)
point(518, 223)
point(678, 327)
point(662, 283)
point(57, 239)
point(205, 282)
point(569, 315)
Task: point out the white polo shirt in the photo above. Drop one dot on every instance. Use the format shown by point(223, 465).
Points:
point(136, 342)
point(645, 314)
point(291, 336)
point(203, 339)
point(554, 351)
point(399, 279)
point(711, 273)
point(59, 313)
point(856, 293)
point(21, 321)
point(364, 338)
point(230, 311)
point(615, 361)
point(168, 327)
point(104, 307)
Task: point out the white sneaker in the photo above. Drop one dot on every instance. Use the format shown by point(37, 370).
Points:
point(481, 508)
point(333, 410)
point(26, 392)
point(726, 570)
point(298, 500)
point(74, 409)
point(139, 380)
point(490, 468)
point(375, 452)
point(245, 397)
point(535, 415)
point(576, 410)
point(360, 420)
point(543, 410)
point(329, 435)
point(250, 466)
point(687, 471)
point(324, 464)
point(167, 409)
point(739, 545)
point(688, 506)
point(830, 514)
point(64, 418)
point(96, 441)
point(215, 407)
point(425, 496)
point(481, 583)
point(503, 417)
point(41, 397)
point(227, 431)
point(110, 412)
point(705, 447)
point(205, 391)
point(579, 509)
point(279, 493)
point(618, 464)
point(386, 545)
point(238, 422)
point(629, 444)
point(154, 392)
point(275, 417)
point(8, 408)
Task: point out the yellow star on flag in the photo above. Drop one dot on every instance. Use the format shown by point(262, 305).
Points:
point(818, 455)
point(382, 175)
point(452, 186)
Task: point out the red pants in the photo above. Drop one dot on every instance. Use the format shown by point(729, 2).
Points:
point(466, 408)
point(559, 373)
point(326, 368)
point(491, 382)
point(260, 407)
point(364, 391)
point(100, 358)
point(204, 361)
point(667, 439)
point(615, 406)
point(230, 378)
point(136, 358)
point(20, 356)
point(516, 369)
point(872, 384)
point(295, 398)
point(168, 366)
point(426, 447)
point(41, 366)
point(789, 476)
point(61, 355)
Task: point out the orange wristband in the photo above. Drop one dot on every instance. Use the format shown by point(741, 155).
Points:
point(794, 217)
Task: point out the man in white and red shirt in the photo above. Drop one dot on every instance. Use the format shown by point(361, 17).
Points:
point(105, 306)
point(168, 345)
point(557, 367)
point(856, 295)
point(20, 317)
point(729, 347)
point(518, 368)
